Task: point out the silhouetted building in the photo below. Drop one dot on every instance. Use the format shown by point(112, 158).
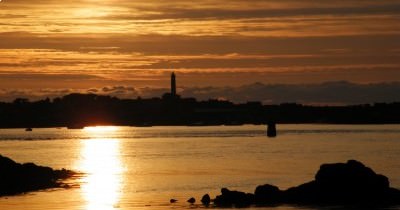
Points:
point(172, 94)
point(173, 85)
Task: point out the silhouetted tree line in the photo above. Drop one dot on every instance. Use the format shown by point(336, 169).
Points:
point(79, 110)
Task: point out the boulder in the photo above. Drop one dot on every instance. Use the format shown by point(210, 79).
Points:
point(267, 194)
point(234, 199)
point(342, 183)
point(306, 193)
point(16, 178)
point(205, 200)
point(350, 183)
point(191, 200)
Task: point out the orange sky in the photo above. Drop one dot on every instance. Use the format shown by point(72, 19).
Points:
point(91, 44)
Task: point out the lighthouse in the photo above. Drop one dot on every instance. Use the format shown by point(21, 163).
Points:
point(172, 94)
point(173, 85)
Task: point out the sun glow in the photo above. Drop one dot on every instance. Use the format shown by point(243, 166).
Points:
point(100, 159)
point(101, 129)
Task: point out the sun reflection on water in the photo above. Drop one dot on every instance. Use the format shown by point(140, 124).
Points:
point(100, 160)
point(100, 129)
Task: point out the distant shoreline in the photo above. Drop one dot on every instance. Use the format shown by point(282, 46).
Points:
point(82, 110)
point(138, 126)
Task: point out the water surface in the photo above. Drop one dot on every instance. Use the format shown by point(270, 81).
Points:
point(142, 168)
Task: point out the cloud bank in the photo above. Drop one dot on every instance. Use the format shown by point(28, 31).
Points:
point(213, 42)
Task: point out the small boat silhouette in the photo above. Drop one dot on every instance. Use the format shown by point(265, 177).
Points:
point(28, 129)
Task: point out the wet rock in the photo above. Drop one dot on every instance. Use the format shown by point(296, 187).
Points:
point(350, 183)
point(342, 183)
point(267, 194)
point(234, 198)
point(16, 178)
point(205, 200)
point(304, 193)
point(393, 196)
point(192, 200)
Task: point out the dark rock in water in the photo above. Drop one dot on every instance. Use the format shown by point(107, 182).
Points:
point(206, 199)
point(173, 200)
point(16, 178)
point(349, 183)
point(393, 196)
point(267, 194)
point(271, 129)
point(234, 198)
point(192, 200)
point(304, 193)
point(342, 183)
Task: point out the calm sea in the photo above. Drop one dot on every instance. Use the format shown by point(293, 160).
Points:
point(143, 168)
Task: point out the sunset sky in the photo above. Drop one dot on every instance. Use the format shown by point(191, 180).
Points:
point(52, 47)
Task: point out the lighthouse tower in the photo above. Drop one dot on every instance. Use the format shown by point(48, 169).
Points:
point(173, 85)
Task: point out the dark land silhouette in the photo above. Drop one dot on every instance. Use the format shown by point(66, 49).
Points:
point(342, 184)
point(79, 110)
point(16, 178)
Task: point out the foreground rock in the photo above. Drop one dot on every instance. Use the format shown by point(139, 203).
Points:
point(233, 198)
point(191, 200)
point(349, 183)
point(206, 200)
point(16, 178)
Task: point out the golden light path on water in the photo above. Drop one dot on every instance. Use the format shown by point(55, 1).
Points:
point(100, 159)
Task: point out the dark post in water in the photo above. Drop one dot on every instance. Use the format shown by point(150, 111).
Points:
point(271, 129)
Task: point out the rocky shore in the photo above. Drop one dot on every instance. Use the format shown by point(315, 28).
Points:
point(16, 178)
point(350, 183)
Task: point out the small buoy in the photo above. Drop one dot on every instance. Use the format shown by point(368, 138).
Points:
point(271, 129)
point(191, 200)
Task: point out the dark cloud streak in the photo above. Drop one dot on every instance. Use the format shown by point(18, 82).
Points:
point(213, 13)
point(154, 44)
